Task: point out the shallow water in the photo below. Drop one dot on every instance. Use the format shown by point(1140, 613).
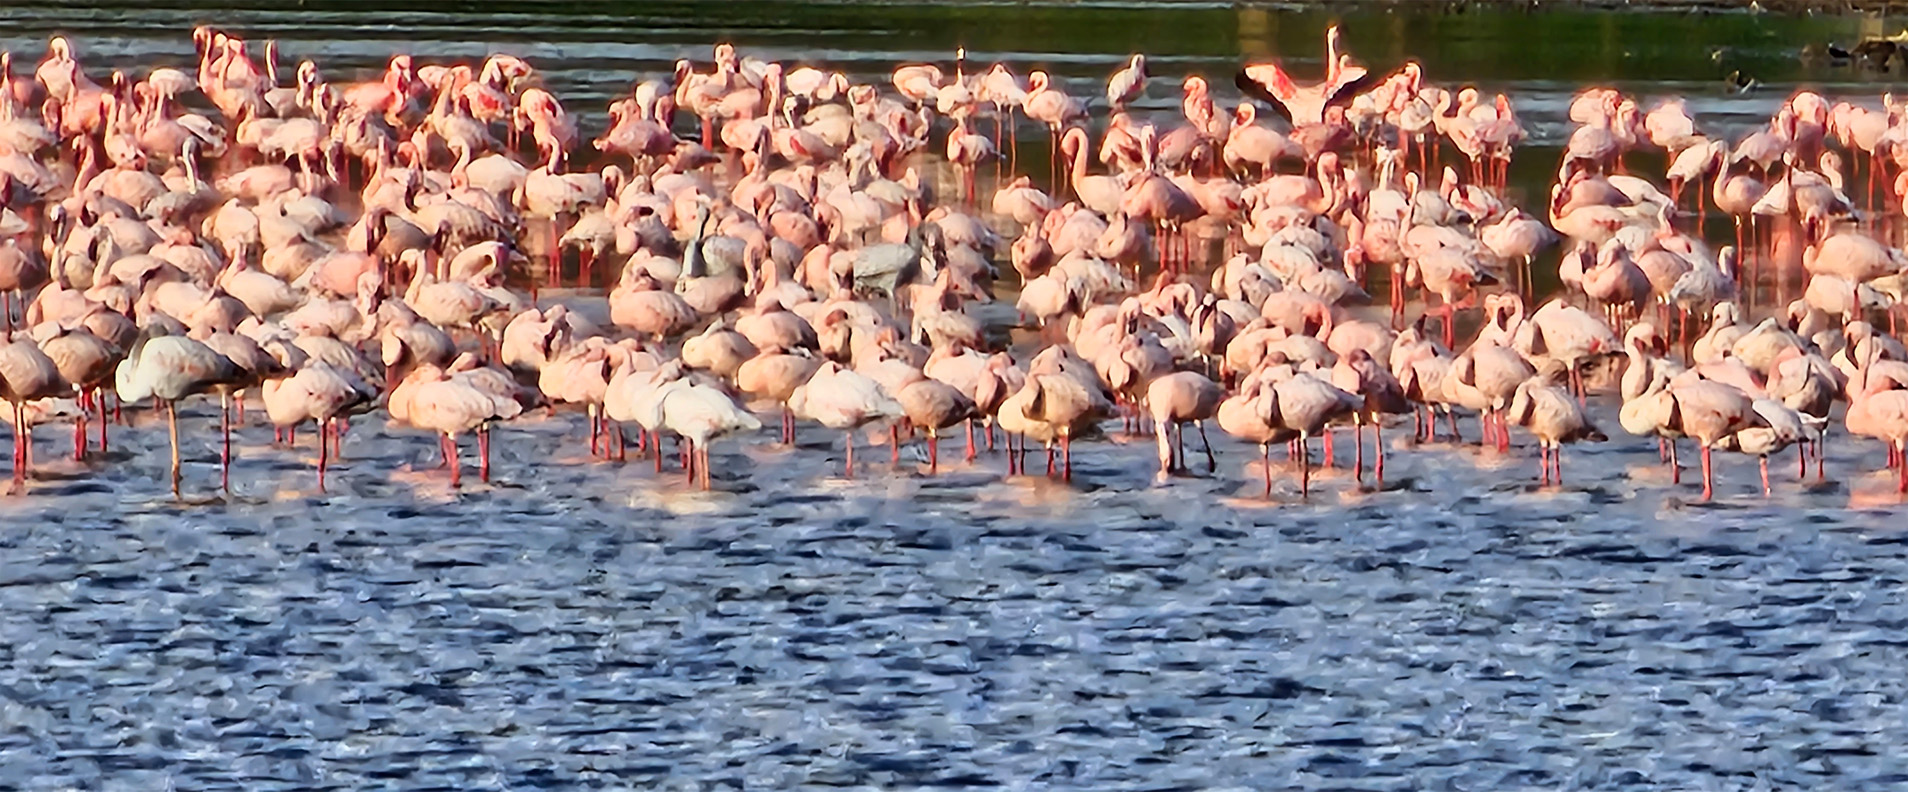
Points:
point(584, 624)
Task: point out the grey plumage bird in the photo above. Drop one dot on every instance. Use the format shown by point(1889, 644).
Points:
point(168, 368)
point(695, 263)
point(887, 267)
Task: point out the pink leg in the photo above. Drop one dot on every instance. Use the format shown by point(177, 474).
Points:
point(1066, 454)
point(1378, 447)
point(1358, 452)
point(1709, 488)
point(225, 452)
point(689, 464)
point(483, 453)
point(1676, 468)
point(456, 465)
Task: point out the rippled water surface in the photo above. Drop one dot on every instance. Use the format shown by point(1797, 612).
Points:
point(579, 624)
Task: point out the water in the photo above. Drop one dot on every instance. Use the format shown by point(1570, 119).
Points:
point(579, 625)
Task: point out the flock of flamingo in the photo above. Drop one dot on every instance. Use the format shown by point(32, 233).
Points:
point(335, 249)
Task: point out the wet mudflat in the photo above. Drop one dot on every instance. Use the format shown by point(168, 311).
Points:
point(585, 624)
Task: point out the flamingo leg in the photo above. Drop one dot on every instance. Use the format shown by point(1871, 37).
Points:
point(1305, 467)
point(1676, 468)
point(591, 412)
point(99, 396)
point(19, 446)
point(934, 452)
point(483, 453)
point(1709, 489)
point(323, 457)
point(79, 431)
point(1378, 449)
point(1265, 467)
point(1066, 455)
point(1765, 475)
point(1179, 443)
point(556, 251)
point(850, 467)
point(1821, 452)
point(1397, 297)
point(1358, 452)
point(689, 475)
point(172, 431)
point(456, 464)
point(225, 451)
point(1212, 464)
point(1556, 459)
point(1328, 448)
point(1013, 142)
point(1543, 465)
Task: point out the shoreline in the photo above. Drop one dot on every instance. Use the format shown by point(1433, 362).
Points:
point(1754, 7)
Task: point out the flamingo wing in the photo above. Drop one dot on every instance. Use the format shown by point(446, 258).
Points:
point(1268, 83)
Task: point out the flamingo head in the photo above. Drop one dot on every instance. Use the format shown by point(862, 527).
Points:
point(1725, 313)
point(400, 74)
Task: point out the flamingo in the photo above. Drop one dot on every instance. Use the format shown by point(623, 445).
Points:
point(168, 368)
point(317, 392)
point(1127, 84)
point(1306, 105)
point(1547, 410)
point(1050, 106)
point(842, 399)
